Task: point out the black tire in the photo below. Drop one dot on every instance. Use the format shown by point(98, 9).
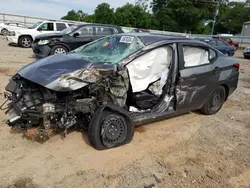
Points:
point(59, 48)
point(4, 32)
point(215, 101)
point(110, 129)
point(25, 42)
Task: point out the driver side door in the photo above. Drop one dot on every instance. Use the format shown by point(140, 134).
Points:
point(47, 27)
point(84, 36)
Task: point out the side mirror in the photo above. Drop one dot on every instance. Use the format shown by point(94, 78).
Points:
point(39, 29)
point(76, 34)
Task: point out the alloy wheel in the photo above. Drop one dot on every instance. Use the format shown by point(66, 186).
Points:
point(26, 42)
point(60, 51)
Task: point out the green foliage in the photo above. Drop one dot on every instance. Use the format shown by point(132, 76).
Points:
point(104, 14)
point(191, 16)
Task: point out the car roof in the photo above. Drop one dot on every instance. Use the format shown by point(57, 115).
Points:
point(91, 24)
point(150, 38)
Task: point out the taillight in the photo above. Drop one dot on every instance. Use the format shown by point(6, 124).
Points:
point(237, 65)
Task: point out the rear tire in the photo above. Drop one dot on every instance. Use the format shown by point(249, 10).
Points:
point(111, 131)
point(4, 32)
point(59, 49)
point(214, 102)
point(25, 42)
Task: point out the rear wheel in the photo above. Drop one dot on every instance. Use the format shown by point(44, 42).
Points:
point(111, 131)
point(4, 32)
point(59, 49)
point(215, 101)
point(25, 42)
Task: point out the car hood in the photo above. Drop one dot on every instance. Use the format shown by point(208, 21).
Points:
point(49, 36)
point(55, 72)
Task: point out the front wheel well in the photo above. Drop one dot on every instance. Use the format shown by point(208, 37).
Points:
point(227, 90)
point(25, 36)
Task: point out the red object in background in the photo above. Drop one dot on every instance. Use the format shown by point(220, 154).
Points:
point(228, 40)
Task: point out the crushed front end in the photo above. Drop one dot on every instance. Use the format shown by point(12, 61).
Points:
point(42, 111)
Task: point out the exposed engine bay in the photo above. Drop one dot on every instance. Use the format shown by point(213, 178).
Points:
point(30, 105)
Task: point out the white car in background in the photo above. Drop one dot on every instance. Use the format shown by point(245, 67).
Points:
point(9, 26)
point(25, 37)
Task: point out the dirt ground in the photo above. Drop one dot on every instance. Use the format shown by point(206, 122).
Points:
point(192, 150)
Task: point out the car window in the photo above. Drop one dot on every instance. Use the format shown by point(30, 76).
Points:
point(220, 43)
point(21, 25)
point(195, 56)
point(85, 31)
point(13, 24)
point(49, 26)
point(103, 31)
point(212, 43)
point(212, 54)
point(227, 39)
point(60, 26)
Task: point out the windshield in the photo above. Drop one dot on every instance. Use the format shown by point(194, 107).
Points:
point(69, 29)
point(111, 49)
point(35, 25)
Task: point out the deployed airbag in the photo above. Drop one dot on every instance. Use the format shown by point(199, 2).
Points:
point(149, 68)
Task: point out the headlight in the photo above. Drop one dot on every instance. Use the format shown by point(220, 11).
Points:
point(43, 42)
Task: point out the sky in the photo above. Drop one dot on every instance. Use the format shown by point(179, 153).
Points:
point(54, 9)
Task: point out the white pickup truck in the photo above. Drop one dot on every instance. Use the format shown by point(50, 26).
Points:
point(25, 37)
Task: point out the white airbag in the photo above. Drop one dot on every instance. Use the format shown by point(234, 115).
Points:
point(149, 68)
point(194, 56)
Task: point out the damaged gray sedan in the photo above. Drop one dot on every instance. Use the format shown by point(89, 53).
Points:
point(109, 86)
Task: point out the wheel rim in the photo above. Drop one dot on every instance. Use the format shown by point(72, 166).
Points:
point(26, 42)
point(113, 131)
point(216, 101)
point(60, 51)
point(5, 32)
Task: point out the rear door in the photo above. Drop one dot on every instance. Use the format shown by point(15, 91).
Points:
point(85, 36)
point(198, 75)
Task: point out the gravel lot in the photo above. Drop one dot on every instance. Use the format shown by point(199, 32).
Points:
point(187, 151)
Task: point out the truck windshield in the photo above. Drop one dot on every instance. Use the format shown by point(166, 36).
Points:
point(111, 49)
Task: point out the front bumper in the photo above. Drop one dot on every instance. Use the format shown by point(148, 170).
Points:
point(41, 51)
point(246, 54)
point(12, 39)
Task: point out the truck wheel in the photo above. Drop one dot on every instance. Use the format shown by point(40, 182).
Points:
point(109, 130)
point(215, 101)
point(59, 49)
point(4, 32)
point(25, 41)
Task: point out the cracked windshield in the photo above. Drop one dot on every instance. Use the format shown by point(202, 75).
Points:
point(110, 49)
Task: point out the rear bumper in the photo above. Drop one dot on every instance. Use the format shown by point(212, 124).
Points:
point(41, 51)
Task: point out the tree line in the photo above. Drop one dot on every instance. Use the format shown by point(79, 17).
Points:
point(189, 16)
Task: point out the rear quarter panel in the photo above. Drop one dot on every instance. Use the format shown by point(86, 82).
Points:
point(229, 74)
